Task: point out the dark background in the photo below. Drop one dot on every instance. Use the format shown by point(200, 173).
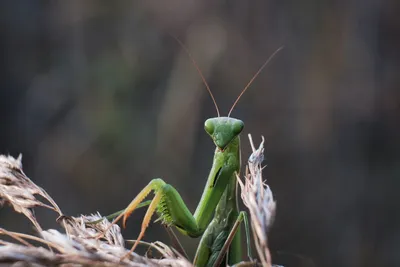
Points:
point(100, 99)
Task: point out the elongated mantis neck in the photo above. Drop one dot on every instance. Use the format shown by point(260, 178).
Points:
point(228, 200)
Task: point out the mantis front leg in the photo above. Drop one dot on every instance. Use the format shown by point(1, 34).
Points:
point(168, 204)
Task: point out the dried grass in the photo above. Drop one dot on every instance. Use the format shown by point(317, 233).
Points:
point(257, 197)
point(78, 246)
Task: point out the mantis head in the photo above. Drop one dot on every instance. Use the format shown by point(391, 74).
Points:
point(223, 130)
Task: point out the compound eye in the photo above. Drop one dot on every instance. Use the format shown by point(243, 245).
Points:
point(209, 126)
point(237, 127)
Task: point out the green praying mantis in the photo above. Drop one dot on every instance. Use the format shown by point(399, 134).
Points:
point(217, 216)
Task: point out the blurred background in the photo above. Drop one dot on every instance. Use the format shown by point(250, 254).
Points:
point(100, 99)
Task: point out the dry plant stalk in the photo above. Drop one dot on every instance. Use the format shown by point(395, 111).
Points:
point(78, 246)
point(257, 196)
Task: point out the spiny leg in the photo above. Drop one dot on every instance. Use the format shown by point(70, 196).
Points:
point(146, 220)
point(173, 211)
point(171, 208)
point(154, 184)
point(241, 217)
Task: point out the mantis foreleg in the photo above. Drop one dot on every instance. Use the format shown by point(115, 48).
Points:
point(168, 203)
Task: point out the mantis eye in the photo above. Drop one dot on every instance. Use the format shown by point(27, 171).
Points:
point(209, 126)
point(237, 127)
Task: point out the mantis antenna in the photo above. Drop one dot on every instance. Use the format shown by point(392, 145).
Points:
point(254, 77)
point(199, 71)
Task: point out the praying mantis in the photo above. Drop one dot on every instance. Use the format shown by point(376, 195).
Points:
point(217, 216)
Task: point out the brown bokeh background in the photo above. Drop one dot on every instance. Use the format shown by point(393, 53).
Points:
point(100, 99)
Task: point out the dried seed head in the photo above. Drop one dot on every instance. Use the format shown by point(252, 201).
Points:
point(258, 198)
